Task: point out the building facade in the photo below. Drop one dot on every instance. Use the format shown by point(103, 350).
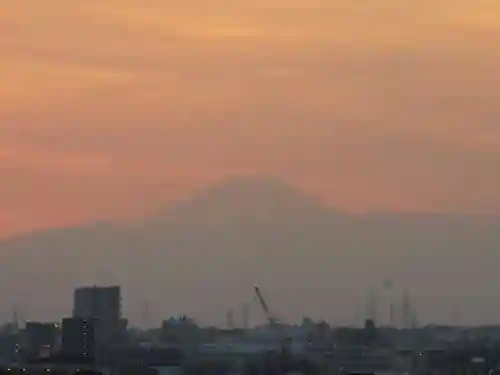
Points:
point(78, 338)
point(39, 340)
point(102, 304)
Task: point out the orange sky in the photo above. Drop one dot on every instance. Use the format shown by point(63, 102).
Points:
point(116, 108)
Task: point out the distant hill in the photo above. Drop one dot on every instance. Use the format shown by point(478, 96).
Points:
point(203, 255)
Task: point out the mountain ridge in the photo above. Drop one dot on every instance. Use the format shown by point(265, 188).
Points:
point(280, 238)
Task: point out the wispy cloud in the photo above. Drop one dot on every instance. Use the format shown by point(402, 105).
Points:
point(54, 161)
point(367, 104)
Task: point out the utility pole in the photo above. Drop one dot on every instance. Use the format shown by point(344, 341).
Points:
point(246, 316)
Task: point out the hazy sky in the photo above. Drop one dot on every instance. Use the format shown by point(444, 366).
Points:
point(116, 108)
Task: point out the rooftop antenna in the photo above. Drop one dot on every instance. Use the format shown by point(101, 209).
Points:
point(15, 318)
point(392, 315)
point(414, 321)
point(372, 305)
point(456, 316)
point(230, 319)
point(388, 286)
point(146, 315)
point(406, 310)
point(358, 316)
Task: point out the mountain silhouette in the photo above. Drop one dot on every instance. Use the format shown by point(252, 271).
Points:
point(244, 199)
point(203, 255)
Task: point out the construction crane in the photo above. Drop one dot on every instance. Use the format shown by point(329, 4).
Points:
point(275, 324)
point(282, 361)
point(270, 318)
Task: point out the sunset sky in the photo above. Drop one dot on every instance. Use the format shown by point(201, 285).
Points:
point(111, 109)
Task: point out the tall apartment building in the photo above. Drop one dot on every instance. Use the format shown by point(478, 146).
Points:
point(103, 304)
point(78, 338)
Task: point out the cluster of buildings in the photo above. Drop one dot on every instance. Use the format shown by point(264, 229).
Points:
point(96, 323)
point(96, 334)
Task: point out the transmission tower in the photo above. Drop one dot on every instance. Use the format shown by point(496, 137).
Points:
point(406, 310)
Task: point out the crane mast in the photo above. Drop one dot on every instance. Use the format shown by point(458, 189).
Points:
point(263, 304)
point(282, 342)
